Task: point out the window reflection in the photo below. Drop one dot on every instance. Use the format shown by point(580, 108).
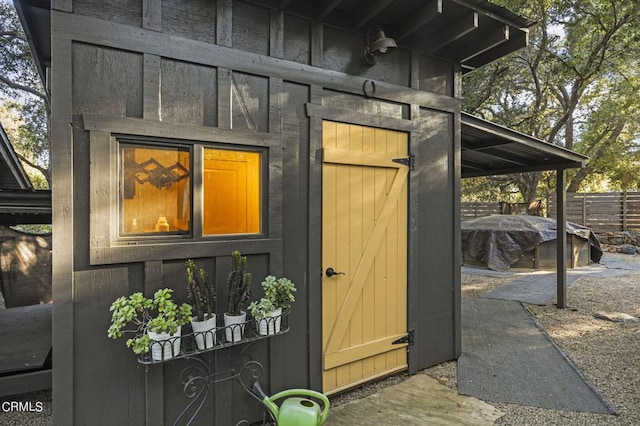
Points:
point(155, 190)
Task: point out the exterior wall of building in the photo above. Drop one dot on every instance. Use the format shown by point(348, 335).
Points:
point(229, 72)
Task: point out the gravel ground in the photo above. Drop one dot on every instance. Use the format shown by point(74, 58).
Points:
point(29, 409)
point(608, 353)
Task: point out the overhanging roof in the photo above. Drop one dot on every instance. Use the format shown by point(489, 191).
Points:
point(35, 16)
point(21, 207)
point(470, 32)
point(490, 149)
point(19, 202)
point(12, 174)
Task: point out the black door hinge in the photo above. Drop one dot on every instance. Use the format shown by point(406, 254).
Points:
point(407, 161)
point(406, 339)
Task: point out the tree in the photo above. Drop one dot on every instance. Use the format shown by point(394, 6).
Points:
point(24, 105)
point(578, 72)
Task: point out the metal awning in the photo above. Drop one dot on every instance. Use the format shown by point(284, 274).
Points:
point(490, 149)
point(470, 32)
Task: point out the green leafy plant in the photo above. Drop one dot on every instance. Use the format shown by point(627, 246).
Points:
point(259, 310)
point(238, 284)
point(279, 291)
point(202, 293)
point(137, 315)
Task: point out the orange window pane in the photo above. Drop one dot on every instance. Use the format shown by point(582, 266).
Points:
point(154, 190)
point(231, 183)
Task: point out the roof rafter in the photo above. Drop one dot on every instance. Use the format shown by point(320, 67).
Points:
point(462, 27)
point(325, 7)
point(486, 43)
point(364, 14)
point(417, 19)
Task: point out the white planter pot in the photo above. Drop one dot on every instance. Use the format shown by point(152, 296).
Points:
point(271, 323)
point(165, 346)
point(234, 327)
point(205, 332)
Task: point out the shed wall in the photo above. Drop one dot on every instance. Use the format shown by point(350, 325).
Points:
point(228, 66)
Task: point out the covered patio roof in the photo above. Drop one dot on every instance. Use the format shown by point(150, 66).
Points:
point(490, 149)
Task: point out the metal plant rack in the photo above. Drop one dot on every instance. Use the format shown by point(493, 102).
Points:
point(197, 378)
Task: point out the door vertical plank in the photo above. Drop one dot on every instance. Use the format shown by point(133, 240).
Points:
point(380, 263)
point(402, 253)
point(329, 220)
point(355, 242)
point(342, 200)
point(368, 293)
point(392, 283)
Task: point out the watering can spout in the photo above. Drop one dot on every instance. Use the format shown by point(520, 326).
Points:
point(273, 408)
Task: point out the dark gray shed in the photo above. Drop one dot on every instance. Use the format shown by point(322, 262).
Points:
point(353, 167)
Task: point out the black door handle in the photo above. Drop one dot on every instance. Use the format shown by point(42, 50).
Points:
point(331, 272)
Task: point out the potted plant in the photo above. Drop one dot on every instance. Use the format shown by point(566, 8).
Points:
point(202, 295)
point(278, 295)
point(155, 323)
point(264, 314)
point(238, 292)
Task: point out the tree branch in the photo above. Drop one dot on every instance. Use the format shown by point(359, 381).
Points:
point(45, 172)
point(24, 88)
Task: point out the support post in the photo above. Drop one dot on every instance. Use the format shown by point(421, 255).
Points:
point(625, 211)
point(561, 240)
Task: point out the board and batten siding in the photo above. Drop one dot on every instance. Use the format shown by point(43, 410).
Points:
point(233, 70)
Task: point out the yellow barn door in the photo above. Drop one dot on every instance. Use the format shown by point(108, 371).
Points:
point(364, 241)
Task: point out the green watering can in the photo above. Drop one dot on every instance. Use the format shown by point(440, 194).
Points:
point(295, 411)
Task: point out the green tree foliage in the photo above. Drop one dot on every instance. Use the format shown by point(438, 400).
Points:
point(576, 85)
point(490, 189)
point(24, 106)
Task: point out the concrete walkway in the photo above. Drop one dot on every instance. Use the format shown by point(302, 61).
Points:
point(419, 400)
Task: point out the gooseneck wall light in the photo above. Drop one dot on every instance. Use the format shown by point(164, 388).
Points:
point(380, 46)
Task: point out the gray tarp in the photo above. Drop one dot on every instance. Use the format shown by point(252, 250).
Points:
point(501, 240)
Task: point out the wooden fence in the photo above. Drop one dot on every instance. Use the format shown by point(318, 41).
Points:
point(472, 210)
point(602, 212)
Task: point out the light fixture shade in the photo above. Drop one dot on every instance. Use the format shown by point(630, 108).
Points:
point(382, 44)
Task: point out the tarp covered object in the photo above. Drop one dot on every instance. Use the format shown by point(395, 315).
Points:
point(501, 240)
